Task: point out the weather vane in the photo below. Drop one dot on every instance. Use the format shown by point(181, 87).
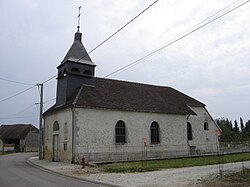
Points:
point(79, 15)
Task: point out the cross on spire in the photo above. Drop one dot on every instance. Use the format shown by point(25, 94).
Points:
point(79, 15)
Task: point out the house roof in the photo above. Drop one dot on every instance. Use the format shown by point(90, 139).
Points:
point(16, 131)
point(77, 52)
point(129, 96)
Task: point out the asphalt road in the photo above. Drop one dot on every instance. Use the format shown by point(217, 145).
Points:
point(15, 171)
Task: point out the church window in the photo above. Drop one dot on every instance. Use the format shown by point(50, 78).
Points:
point(155, 133)
point(56, 126)
point(60, 74)
point(65, 131)
point(87, 72)
point(189, 131)
point(120, 132)
point(75, 70)
point(65, 73)
point(65, 146)
point(206, 126)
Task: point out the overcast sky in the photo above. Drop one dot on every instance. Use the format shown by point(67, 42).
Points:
point(211, 65)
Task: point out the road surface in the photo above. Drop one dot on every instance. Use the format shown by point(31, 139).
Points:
point(16, 172)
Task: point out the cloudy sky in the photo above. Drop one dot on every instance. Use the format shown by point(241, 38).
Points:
point(211, 65)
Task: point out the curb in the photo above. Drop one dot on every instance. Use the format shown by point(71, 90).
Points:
point(70, 176)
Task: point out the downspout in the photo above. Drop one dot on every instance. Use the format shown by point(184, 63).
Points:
point(73, 135)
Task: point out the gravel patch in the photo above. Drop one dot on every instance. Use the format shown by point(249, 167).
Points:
point(189, 176)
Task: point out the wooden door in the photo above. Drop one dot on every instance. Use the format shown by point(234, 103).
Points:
point(56, 148)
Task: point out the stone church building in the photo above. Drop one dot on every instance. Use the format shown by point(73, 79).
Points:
point(111, 120)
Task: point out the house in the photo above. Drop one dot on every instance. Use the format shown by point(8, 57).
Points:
point(112, 120)
point(1, 144)
point(23, 136)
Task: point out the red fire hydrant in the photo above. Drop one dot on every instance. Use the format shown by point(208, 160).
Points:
point(83, 162)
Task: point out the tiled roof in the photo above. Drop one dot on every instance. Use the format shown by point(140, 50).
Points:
point(17, 131)
point(135, 97)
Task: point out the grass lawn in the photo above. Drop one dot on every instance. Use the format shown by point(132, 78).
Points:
point(154, 165)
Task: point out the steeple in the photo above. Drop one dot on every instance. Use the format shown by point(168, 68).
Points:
point(75, 69)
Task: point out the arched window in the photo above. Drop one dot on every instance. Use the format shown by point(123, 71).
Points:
point(120, 132)
point(189, 131)
point(206, 126)
point(56, 126)
point(155, 133)
point(75, 70)
point(87, 72)
point(65, 73)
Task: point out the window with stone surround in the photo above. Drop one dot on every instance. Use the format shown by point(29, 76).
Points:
point(189, 131)
point(120, 132)
point(206, 126)
point(155, 133)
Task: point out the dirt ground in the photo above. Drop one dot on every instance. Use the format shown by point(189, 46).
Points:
point(234, 179)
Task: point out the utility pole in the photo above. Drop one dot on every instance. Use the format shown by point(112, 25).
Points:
point(41, 123)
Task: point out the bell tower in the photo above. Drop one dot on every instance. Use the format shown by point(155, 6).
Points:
point(76, 69)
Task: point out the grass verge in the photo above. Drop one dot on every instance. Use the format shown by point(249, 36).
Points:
point(154, 165)
point(5, 153)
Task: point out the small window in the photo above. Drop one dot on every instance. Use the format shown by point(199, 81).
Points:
point(87, 72)
point(75, 70)
point(154, 132)
point(189, 131)
point(206, 126)
point(65, 73)
point(60, 74)
point(65, 146)
point(56, 126)
point(120, 132)
point(65, 131)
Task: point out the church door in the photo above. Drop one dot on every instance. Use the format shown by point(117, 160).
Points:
point(56, 148)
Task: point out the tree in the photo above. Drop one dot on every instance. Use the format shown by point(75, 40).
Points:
point(236, 127)
point(247, 128)
point(242, 127)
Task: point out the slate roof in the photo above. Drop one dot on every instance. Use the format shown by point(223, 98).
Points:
point(16, 131)
point(77, 52)
point(129, 96)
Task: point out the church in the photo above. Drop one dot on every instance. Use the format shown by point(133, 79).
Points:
point(106, 120)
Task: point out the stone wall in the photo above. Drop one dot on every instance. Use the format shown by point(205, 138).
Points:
point(94, 131)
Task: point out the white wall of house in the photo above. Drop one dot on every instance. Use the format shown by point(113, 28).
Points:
point(1, 145)
point(95, 137)
point(94, 134)
point(205, 141)
point(64, 119)
point(31, 142)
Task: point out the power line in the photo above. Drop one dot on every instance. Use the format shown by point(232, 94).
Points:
point(23, 110)
point(18, 117)
point(17, 82)
point(104, 41)
point(17, 94)
point(49, 79)
point(181, 36)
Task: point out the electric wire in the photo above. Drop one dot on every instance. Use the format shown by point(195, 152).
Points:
point(34, 116)
point(10, 97)
point(176, 39)
point(104, 41)
point(17, 82)
point(120, 29)
point(49, 79)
